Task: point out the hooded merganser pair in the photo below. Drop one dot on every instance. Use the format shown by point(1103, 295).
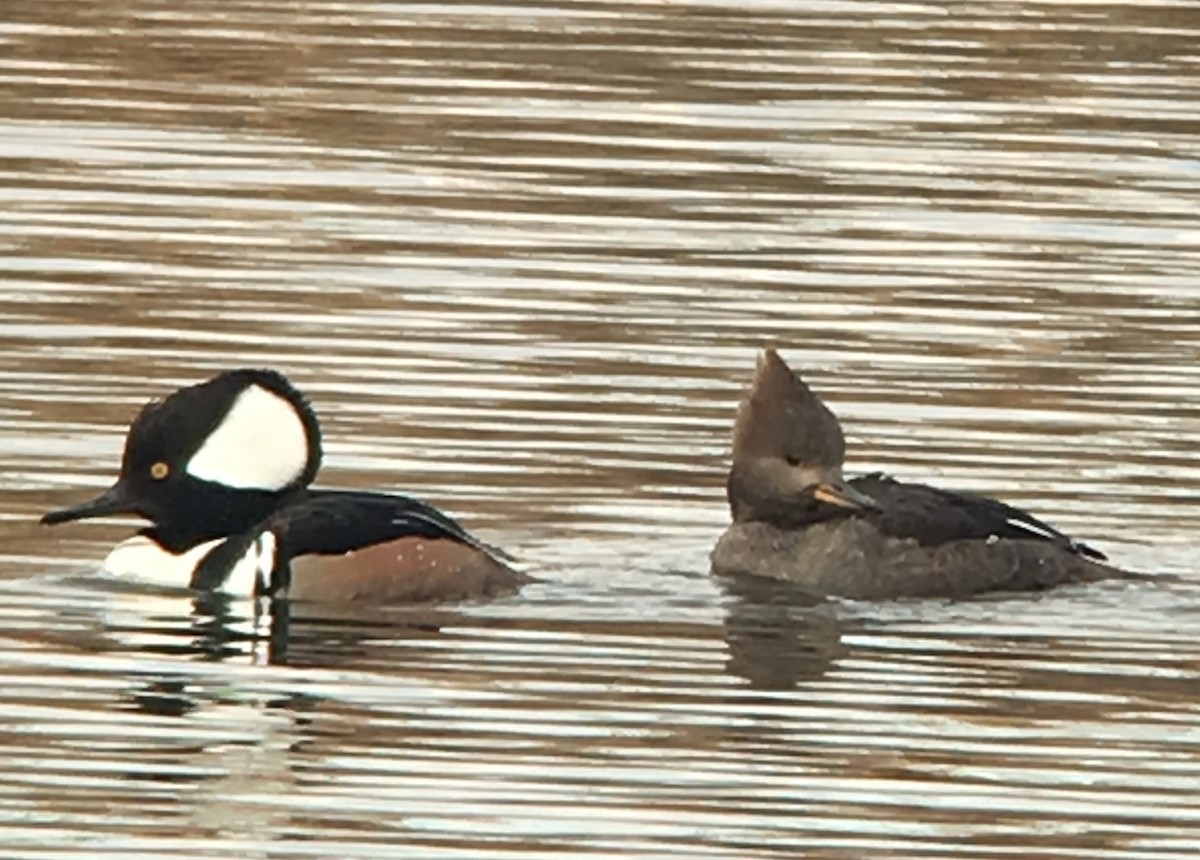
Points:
point(222, 472)
point(796, 519)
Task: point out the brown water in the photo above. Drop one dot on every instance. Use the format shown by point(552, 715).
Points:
point(522, 256)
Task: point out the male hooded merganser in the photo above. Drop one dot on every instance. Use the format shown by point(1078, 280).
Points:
point(221, 470)
point(795, 518)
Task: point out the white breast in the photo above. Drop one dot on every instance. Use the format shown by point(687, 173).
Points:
point(140, 559)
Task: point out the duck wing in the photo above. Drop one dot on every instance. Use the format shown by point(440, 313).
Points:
point(932, 516)
point(337, 521)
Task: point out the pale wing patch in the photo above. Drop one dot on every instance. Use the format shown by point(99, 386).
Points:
point(1031, 528)
point(261, 444)
point(140, 559)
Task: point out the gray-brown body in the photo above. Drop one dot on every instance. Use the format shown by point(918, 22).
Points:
point(852, 558)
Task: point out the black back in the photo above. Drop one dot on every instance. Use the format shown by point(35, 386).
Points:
point(333, 522)
point(932, 516)
point(338, 521)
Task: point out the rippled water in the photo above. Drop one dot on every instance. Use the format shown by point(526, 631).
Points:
point(521, 256)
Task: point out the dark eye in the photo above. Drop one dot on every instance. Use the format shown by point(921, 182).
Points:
point(793, 461)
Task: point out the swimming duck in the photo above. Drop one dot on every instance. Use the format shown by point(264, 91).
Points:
point(222, 470)
point(795, 517)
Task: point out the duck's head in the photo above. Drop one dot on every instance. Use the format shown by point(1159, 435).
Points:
point(788, 451)
point(212, 458)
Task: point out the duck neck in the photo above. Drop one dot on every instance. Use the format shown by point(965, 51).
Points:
point(217, 512)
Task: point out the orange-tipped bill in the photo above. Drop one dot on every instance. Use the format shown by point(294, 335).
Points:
point(844, 496)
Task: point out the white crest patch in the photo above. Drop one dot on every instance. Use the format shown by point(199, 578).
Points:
point(252, 572)
point(140, 559)
point(261, 444)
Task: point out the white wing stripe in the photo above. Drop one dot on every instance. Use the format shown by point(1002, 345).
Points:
point(1031, 528)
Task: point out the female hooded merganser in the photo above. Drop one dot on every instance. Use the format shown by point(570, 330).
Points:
point(795, 518)
point(221, 470)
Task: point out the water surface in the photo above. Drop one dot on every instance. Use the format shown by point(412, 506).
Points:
point(522, 257)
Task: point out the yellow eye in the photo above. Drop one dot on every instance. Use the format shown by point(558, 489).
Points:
point(159, 470)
